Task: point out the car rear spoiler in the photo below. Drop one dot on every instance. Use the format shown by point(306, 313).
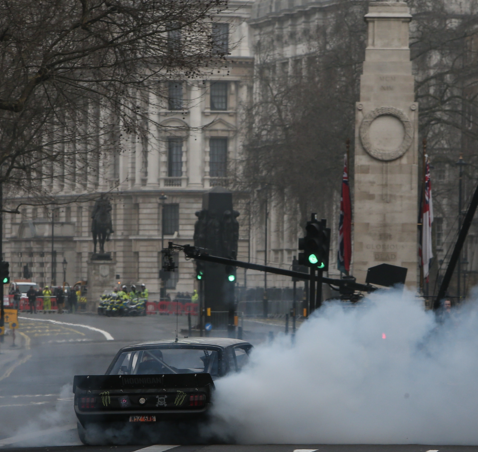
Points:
point(111, 382)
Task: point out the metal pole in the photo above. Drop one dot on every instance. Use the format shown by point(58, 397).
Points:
point(318, 303)
point(201, 308)
point(265, 300)
point(460, 189)
point(294, 306)
point(456, 251)
point(312, 291)
point(53, 247)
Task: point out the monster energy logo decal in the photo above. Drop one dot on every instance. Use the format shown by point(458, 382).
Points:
point(105, 398)
point(180, 398)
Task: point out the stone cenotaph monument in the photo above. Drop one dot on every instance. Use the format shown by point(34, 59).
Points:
point(386, 147)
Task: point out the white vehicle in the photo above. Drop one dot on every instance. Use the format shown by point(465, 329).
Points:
point(23, 285)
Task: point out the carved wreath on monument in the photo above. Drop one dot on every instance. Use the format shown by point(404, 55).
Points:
point(386, 133)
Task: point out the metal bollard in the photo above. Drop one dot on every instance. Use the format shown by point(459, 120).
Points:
point(189, 324)
point(287, 324)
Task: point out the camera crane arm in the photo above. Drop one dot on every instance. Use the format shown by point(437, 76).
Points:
point(193, 252)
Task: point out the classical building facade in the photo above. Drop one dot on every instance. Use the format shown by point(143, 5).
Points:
point(155, 185)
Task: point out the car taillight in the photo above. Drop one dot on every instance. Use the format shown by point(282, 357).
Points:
point(197, 400)
point(87, 403)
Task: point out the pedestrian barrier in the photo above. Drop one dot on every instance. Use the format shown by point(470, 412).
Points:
point(171, 308)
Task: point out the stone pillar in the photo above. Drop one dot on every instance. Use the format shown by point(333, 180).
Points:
point(386, 147)
point(101, 277)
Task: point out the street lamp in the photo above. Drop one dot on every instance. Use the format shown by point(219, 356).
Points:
point(53, 252)
point(64, 263)
point(162, 293)
point(461, 163)
point(265, 301)
point(163, 199)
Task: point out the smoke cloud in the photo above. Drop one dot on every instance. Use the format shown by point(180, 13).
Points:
point(382, 372)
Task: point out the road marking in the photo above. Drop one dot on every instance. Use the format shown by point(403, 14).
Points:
point(305, 450)
point(27, 340)
point(36, 434)
point(18, 363)
point(107, 335)
point(27, 395)
point(432, 450)
point(156, 449)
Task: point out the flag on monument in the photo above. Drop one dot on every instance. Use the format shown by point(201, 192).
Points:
point(427, 221)
point(344, 251)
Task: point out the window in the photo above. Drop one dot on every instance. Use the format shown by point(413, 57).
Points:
point(242, 357)
point(174, 37)
point(68, 214)
point(438, 222)
point(175, 96)
point(218, 95)
point(218, 157)
point(175, 157)
point(220, 38)
point(171, 219)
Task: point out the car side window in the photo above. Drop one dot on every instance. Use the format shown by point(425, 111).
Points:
point(242, 357)
point(231, 361)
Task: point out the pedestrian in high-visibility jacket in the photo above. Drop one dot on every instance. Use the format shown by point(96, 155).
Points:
point(46, 299)
point(195, 297)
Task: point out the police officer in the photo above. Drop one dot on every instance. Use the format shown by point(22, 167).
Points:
point(46, 299)
point(134, 293)
point(123, 293)
point(144, 292)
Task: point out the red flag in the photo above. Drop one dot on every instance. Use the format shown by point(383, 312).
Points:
point(344, 252)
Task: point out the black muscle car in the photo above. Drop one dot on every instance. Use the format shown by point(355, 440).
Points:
point(152, 385)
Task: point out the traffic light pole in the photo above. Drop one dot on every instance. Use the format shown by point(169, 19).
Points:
point(312, 291)
point(318, 302)
point(193, 252)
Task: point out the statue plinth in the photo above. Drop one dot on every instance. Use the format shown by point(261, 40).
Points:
point(101, 277)
point(101, 257)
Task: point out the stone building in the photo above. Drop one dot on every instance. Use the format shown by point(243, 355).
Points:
point(197, 141)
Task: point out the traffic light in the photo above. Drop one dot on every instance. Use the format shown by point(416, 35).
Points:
point(231, 273)
point(4, 272)
point(199, 270)
point(315, 245)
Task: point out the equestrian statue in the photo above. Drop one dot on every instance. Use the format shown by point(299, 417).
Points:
point(101, 225)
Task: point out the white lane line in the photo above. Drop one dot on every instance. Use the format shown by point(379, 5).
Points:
point(36, 434)
point(18, 363)
point(156, 449)
point(432, 450)
point(305, 450)
point(107, 335)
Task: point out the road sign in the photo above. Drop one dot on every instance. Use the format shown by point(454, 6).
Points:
point(208, 326)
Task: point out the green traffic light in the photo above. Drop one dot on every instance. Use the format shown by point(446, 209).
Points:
point(322, 265)
point(6, 280)
point(231, 278)
point(199, 276)
point(313, 259)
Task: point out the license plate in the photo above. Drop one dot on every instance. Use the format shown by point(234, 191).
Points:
point(142, 418)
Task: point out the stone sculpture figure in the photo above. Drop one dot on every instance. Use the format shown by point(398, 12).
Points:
point(101, 225)
point(200, 229)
